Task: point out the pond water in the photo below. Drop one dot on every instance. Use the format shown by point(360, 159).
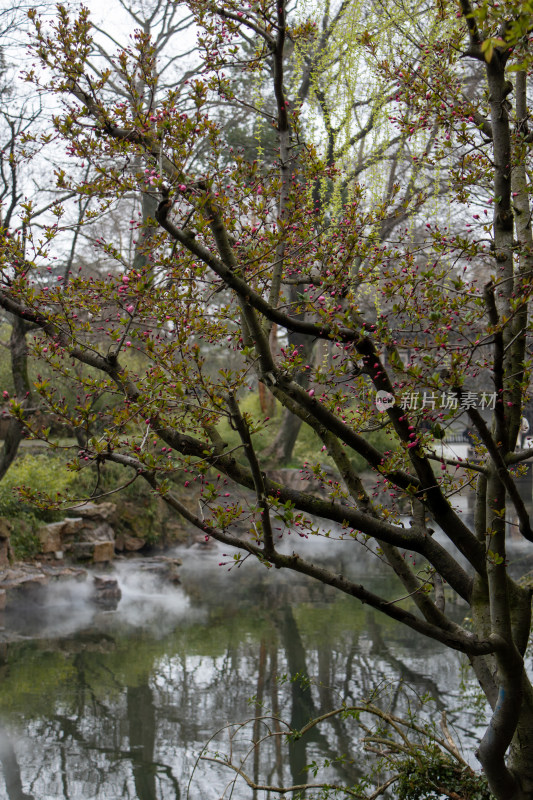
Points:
point(121, 704)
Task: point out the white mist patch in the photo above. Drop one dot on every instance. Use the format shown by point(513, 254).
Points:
point(150, 597)
point(60, 609)
point(333, 547)
point(147, 600)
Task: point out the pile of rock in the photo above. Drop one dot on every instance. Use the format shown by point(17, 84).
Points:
point(96, 531)
point(87, 537)
point(93, 536)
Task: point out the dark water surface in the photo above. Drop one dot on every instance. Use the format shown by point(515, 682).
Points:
point(120, 704)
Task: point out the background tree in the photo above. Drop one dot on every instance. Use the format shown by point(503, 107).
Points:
point(416, 318)
point(19, 113)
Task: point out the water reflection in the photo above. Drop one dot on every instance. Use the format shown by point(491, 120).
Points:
point(11, 770)
point(123, 707)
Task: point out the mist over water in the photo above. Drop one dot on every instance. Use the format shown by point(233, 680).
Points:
point(67, 606)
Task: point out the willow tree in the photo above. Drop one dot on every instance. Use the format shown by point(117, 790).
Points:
point(345, 96)
point(422, 329)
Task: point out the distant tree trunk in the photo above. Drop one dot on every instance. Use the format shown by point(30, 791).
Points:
point(266, 400)
point(280, 451)
point(143, 244)
point(19, 370)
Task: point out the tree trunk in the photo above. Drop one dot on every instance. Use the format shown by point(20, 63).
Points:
point(521, 754)
point(19, 369)
point(280, 451)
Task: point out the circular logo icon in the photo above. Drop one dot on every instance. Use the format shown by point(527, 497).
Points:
point(384, 400)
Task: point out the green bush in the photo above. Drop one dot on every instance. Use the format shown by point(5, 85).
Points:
point(35, 479)
point(24, 541)
point(42, 474)
point(38, 475)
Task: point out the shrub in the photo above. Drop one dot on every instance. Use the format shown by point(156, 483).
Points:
point(34, 477)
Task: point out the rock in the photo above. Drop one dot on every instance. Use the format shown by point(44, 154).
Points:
point(97, 552)
point(103, 511)
point(60, 536)
point(101, 533)
point(27, 582)
point(88, 537)
point(103, 551)
point(176, 532)
point(131, 543)
point(71, 525)
point(82, 550)
point(164, 567)
point(173, 575)
point(50, 537)
point(17, 579)
point(106, 592)
point(178, 562)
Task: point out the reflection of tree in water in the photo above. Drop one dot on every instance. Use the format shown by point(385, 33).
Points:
point(304, 709)
point(93, 727)
point(302, 705)
point(142, 728)
point(406, 674)
point(11, 769)
point(309, 692)
point(341, 677)
point(131, 705)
